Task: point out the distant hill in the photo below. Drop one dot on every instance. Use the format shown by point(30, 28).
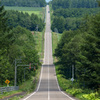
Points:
point(24, 3)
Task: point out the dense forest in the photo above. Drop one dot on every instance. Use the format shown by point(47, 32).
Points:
point(24, 3)
point(78, 47)
point(70, 18)
point(81, 48)
point(74, 4)
point(31, 22)
point(15, 43)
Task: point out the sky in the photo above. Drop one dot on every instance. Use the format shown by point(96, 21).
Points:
point(47, 0)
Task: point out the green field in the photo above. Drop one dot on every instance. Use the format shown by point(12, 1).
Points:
point(40, 11)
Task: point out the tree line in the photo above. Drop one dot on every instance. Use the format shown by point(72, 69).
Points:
point(15, 43)
point(31, 22)
point(75, 12)
point(25, 3)
point(56, 4)
point(81, 48)
point(70, 18)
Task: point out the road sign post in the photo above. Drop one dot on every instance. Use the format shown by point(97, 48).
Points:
point(7, 82)
point(72, 79)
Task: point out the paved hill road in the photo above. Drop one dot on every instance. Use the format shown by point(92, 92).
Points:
point(48, 88)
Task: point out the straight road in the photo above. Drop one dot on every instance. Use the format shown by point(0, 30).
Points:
point(48, 88)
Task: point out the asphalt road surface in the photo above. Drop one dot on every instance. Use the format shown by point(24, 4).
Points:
point(48, 88)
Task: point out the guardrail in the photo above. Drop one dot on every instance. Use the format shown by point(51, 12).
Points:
point(7, 89)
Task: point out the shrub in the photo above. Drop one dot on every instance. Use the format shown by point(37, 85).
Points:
point(91, 96)
point(74, 91)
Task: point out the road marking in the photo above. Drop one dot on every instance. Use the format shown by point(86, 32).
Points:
point(40, 79)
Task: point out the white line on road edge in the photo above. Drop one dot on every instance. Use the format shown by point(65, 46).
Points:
point(37, 87)
point(62, 91)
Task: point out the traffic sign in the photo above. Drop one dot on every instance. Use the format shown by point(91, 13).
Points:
point(72, 79)
point(7, 81)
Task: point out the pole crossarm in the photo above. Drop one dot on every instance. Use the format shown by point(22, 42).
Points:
point(22, 65)
point(19, 61)
point(24, 71)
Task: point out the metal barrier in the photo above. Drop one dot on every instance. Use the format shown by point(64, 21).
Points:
point(7, 89)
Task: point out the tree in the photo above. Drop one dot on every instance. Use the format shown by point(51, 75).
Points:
point(15, 18)
point(81, 48)
point(59, 23)
point(25, 3)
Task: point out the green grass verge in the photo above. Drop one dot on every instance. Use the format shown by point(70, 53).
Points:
point(39, 38)
point(6, 94)
point(76, 91)
point(55, 39)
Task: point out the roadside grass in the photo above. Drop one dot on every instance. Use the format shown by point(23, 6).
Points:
point(39, 38)
point(31, 84)
point(76, 91)
point(55, 39)
point(40, 11)
point(6, 94)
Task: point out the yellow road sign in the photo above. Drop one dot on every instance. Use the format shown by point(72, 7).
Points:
point(7, 81)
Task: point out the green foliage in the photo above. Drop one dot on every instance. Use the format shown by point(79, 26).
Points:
point(75, 90)
point(91, 96)
point(25, 3)
point(30, 22)
point(23, 46)
point(73, 4)
point(2, 96)
point(71, 18)
point(40, 11)
point(15, 43)
point(59, 23)
point(75, 12)
point(81, 49)
point(28, 86)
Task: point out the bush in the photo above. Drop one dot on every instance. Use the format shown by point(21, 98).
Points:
point(91, 96)
point(74, 91)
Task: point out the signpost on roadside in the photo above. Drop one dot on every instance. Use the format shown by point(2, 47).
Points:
point(72, 79)
point(7, 82)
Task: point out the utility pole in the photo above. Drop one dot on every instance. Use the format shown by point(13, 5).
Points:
point(16, 69)
point(73, 71)
point(15, 72)
point(15, 83)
